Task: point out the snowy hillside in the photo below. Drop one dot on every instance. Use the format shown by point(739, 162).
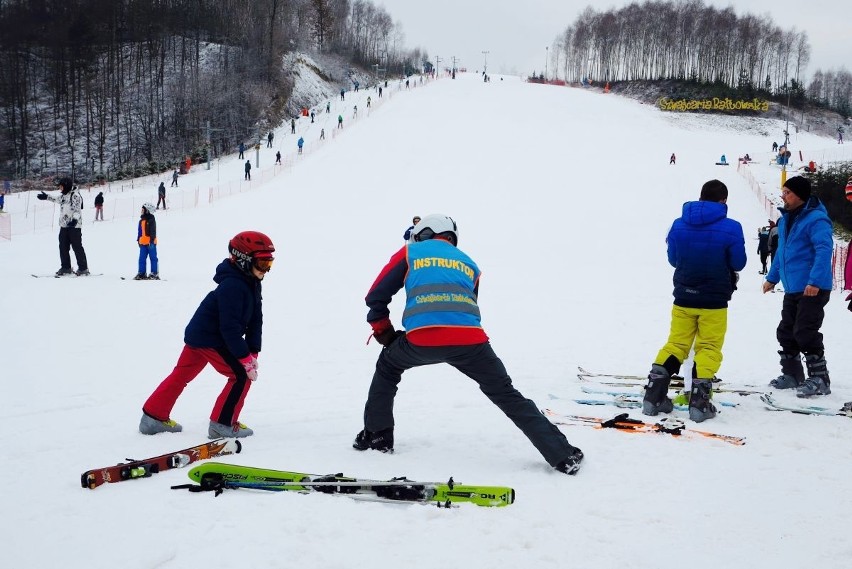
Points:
point(574, 274)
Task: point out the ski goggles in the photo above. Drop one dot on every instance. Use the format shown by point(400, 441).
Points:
point(263, 264)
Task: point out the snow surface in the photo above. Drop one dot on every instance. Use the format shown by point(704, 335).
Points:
point(563, 197)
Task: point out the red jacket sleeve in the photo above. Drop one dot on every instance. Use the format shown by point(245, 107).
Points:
point(390, 280)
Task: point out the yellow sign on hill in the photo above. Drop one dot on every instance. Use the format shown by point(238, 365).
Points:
point(714, 104)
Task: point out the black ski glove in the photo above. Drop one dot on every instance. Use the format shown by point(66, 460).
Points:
point(388, 336)
point(42, 196)
point(72, 223)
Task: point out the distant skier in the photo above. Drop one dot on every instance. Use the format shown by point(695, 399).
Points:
point(673, 159)
point(70, 232)
point(248, 170)
point(269, 138)
point(146, 237)
point(300, 143)
point(175, 178)
point(161, 195)
point(339, 121)
point(763, 247)
point(99, 206)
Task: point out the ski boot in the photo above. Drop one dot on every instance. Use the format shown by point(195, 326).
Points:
point(63, 272)
point(571, 464)
point(380, 440)
point(817, 382)
point(148, 425)
point(701, 407)
point(140, 277)
point(656, 399)
point(218, 430)
point(792, 373)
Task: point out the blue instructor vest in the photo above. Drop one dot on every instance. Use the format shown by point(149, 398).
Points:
point(439, 287)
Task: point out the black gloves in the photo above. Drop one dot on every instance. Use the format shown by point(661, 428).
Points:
point(42, 196)
point(388, 336)
point(72, 223)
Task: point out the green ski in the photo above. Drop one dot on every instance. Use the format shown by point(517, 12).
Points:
point(214, 476)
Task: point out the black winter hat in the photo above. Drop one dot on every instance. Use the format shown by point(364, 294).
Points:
point(799, 186)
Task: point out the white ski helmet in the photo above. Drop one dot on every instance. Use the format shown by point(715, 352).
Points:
point(149, 207)
point(434, 225)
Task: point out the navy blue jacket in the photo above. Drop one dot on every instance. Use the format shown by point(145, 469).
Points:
point(231, 316)
point(706, 249)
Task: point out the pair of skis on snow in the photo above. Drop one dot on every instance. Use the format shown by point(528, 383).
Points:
point(217, 477)
point(632, 398)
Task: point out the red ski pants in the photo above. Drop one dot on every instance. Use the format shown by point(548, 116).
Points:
point(190, 363)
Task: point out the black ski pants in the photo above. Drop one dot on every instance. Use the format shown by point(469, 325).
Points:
point(801, 319)
point(481, 364)
point(72, 238)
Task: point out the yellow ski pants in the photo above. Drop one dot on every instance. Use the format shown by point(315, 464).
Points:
point(705, 327)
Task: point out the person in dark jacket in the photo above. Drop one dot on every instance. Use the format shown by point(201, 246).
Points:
point(146, 237)
point(70, 231)
point(242, 149)
point(414, 221)
point(225, 332)
point(442, 325)
point(248, 170)
point(706, 248)
point(763, 247)
point(161, 195)
point(99, 206)
point(803, 266)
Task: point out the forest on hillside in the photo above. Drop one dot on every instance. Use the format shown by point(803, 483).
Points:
point(114, 88)
point(685, 40)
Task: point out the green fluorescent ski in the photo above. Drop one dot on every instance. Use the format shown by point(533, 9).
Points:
point(404, 490)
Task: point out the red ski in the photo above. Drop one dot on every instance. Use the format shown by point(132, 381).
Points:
point(91, 479)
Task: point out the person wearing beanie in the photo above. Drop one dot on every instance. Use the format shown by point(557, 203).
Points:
point(803, 266)
point(70, 233)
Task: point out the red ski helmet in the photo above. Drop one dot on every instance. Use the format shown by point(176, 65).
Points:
point(252, 249)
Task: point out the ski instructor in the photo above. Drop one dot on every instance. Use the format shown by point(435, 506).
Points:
point(70, 232)
point(442, 324)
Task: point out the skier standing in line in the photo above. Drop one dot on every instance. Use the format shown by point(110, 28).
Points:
point(99, 206)
point(442, 325)
point(707, 249)
point(70, 231)
point(161, 195)
point(803, 266)
point(146, 237)
point(225, 332)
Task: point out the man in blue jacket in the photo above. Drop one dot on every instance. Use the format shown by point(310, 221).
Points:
point(706, 249)
point(803, 265)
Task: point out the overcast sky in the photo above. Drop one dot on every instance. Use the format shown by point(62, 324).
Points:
point(516, 33)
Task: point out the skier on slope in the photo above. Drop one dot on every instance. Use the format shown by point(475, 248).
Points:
point(442, 325)
point(146, 237)
point(225, 332)
point(706, 248)
point(70, 233)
